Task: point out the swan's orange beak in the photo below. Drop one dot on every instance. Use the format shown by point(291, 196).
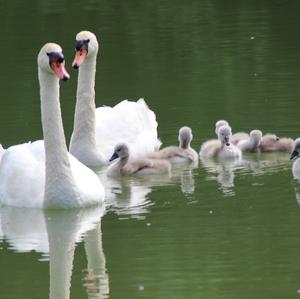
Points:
point(79, 57)
point(60, 70)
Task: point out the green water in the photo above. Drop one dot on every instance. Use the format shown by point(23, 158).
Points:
point(215, 231)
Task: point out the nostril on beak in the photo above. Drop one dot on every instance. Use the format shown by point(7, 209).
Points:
point(65, 78)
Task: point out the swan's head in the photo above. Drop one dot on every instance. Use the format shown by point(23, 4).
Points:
point(219, 124)
point(86, 45)
point(51, 60)
point(256, 136)
point(185, 137)
point(296, 150)
point(224, 134)
point(121, 151)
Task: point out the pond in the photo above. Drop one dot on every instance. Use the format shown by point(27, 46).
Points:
point(216, 230)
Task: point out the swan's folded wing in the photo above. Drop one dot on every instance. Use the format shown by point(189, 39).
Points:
point(23, 167)
point(130, 122)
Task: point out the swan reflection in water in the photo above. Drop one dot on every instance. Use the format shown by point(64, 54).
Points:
point(129, 196)
point(55, 235)
point(255, 164)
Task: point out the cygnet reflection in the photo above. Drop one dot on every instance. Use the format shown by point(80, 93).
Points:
point(223, 172)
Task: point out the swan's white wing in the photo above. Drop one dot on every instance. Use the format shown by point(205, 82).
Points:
point(2, 150)
point(22, 175)
point(87, 181)
point(130, 122)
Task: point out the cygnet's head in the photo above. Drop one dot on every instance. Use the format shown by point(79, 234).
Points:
point(224, 134)
point(185, 137)
point(296, 150)
point(256, 136)
point(51, 60)
point(121, 151)
point(219, 124)
point(86, 45)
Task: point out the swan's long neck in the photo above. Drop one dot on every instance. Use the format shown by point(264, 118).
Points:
point(59, 177)
point(123, 161)
point(61, 229)
point(96, 263)
point(83, 143)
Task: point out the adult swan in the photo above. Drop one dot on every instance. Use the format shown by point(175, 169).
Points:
point(42, 174)
point(96, 134)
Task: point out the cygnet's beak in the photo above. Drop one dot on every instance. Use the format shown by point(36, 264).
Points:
point(294, 154)
point(113, 157)
point(226, 140)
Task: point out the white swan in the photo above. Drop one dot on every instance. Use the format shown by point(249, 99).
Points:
point(223, 148)
point(38, 176)
point(96, 134)
point(181, 153)
point(295, 155)
point(140, 166)
point(252, 143)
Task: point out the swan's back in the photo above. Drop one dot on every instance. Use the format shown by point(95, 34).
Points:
point(2, 150)
point(88, 183)
point(24, 165)
point(130, 122)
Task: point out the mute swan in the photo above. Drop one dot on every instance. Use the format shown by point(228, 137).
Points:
point(96, 133)
point(272, 143)
point(252, 143)
point(38, 176)
point(295, 155)
point(222, 149)
point(181, 153)
point(125, 167)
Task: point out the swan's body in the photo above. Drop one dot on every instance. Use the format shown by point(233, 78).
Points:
point(295, 155)
point(125, 167)
point(43, 174)
point(95, 134)
point(272, 143)
point(2, 150)
point(222, 149)
point(252, 143)
point(181, 153)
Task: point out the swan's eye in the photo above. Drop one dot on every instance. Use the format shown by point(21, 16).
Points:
point(55, 57)
point(60, 60)
point(81, 44)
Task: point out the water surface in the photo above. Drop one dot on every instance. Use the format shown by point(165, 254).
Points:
point(219, 230)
